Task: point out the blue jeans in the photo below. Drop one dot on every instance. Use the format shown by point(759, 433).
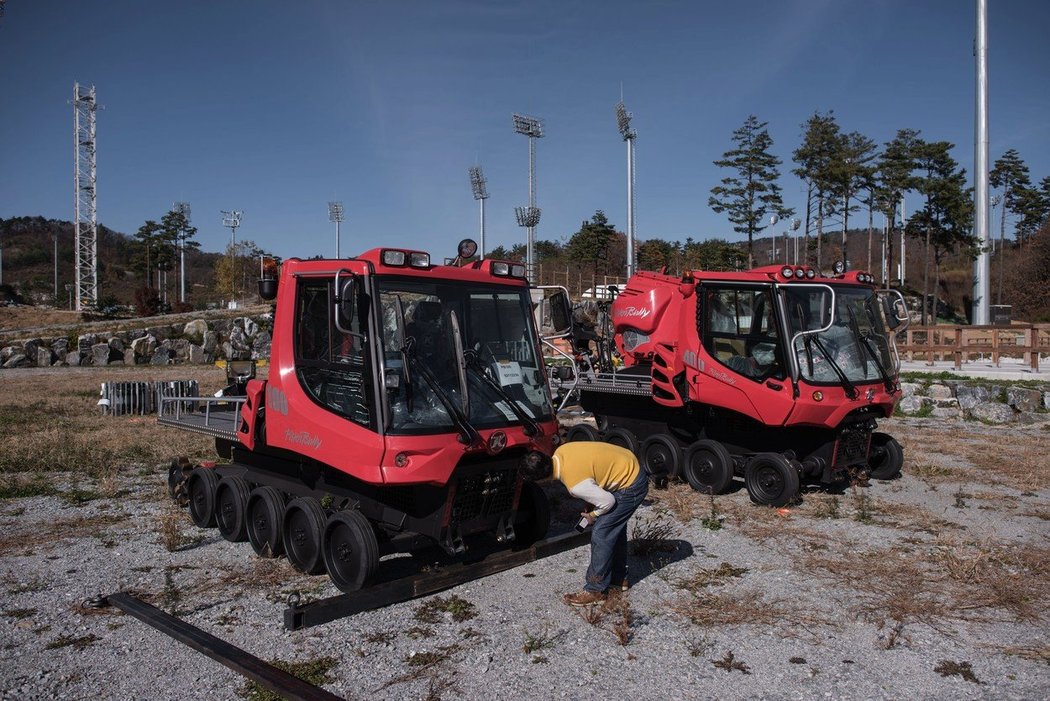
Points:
point(609, 537)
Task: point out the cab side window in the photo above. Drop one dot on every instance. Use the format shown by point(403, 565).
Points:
point(739, 330)
point(332, 366)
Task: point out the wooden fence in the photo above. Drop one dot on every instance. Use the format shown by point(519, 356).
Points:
point(959, 343)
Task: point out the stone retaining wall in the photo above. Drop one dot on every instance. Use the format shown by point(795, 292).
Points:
point(990, 403)
point(198, 341)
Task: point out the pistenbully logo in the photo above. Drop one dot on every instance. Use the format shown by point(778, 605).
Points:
point(640, 313)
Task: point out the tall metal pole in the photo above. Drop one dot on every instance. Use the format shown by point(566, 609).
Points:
point(623, 122)
point(528, 217)
point(182, 208)
point(335, 214)
point(481, 193)
point(982, 266)
point(904, 223)
point(232, 219)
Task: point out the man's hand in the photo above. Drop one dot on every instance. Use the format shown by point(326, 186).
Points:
point(589, 516)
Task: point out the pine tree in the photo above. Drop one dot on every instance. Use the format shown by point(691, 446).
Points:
point(1010, 175)
point(592, 243)
point(814, 158)
point(895, 171)
point(851, 171)
point(753, 192)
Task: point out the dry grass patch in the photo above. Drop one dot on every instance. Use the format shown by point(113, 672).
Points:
point(50, 421)
point(894, 588)
point(739, 608)
point(1035, 653)
point(50, 533)
point(1018, 462)
point(684, 502)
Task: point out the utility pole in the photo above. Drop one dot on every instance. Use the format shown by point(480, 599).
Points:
point(982, 265)
point(529, 217)
point(623, 122)
point(231, 220)
point(182, 208)
point(481, 193)
point(335, 214)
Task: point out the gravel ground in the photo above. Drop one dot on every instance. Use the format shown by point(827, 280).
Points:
point(931, 586)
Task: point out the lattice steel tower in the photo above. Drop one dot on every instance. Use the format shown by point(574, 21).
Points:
point(85, 178)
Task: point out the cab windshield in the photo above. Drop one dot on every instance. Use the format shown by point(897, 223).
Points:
point(424, 376)
point(857, 346)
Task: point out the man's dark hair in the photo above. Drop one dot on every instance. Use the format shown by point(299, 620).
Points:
point(535, 466)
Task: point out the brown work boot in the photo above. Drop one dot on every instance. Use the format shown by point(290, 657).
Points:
point(623, 585)
point(584, 598)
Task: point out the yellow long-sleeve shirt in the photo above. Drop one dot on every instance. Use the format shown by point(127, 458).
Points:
point(591, 470)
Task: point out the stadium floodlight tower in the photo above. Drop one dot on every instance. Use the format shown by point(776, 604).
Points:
point(529, 217)
point(623, 121)
point(335, 214)
point(84, 179)
point(182, 208)
point(481, 193)
point(231, 220)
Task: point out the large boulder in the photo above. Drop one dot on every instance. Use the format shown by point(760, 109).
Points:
point(909, 389)
point(129, 357)
point(248, 325)
point(993, 413)
point(29, 347)
point(17, 360)
point(1046, 400)
point(198, 355)
point(181, 348)
point(73, 358)
point(261, 345)
point(60, 346)
point(44, 357)
point(194, 331)
point(913, 404)
point(100, 354)
point(211, 341)
point(939, 391)
point(117, 344)
point(85, 342)
point(163, 354)
point(970, 396)
point(144, 346)
point(8, 352)
point(1023, 399)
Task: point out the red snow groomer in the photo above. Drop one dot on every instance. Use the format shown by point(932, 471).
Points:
point(776, 374)
point(401, 396)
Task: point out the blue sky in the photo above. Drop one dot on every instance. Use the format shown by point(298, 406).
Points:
point(274, 108)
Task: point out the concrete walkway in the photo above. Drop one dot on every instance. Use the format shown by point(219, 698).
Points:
point(1009, 369)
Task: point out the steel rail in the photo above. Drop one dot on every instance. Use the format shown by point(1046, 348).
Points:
point(259, 671)
point(297, 617)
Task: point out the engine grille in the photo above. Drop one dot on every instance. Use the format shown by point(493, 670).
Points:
point(484, 494)
point(851, 448)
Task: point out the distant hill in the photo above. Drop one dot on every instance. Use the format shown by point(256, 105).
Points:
point(28, 264)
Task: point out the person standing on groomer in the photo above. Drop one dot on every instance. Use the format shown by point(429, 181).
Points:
point(610, 478)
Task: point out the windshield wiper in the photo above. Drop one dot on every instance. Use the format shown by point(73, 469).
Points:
point(474, 365)
point(468, 434)
point(851, 391)
point(862, 340)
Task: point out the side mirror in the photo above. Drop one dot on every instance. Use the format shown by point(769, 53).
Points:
point(561, 312)
point(347, 291)
point(896, 311)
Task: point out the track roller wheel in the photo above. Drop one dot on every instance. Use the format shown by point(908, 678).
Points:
point(200, 487)
point(178, 472)
point(265, 522)
point(351, 553)
point(708, 467)
point(624, 438)
point(661, 456)
point(771, 479)
point(582, 432)
point(304, 523)
point(534, 515)
point(886, 458)
point(231, 508)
